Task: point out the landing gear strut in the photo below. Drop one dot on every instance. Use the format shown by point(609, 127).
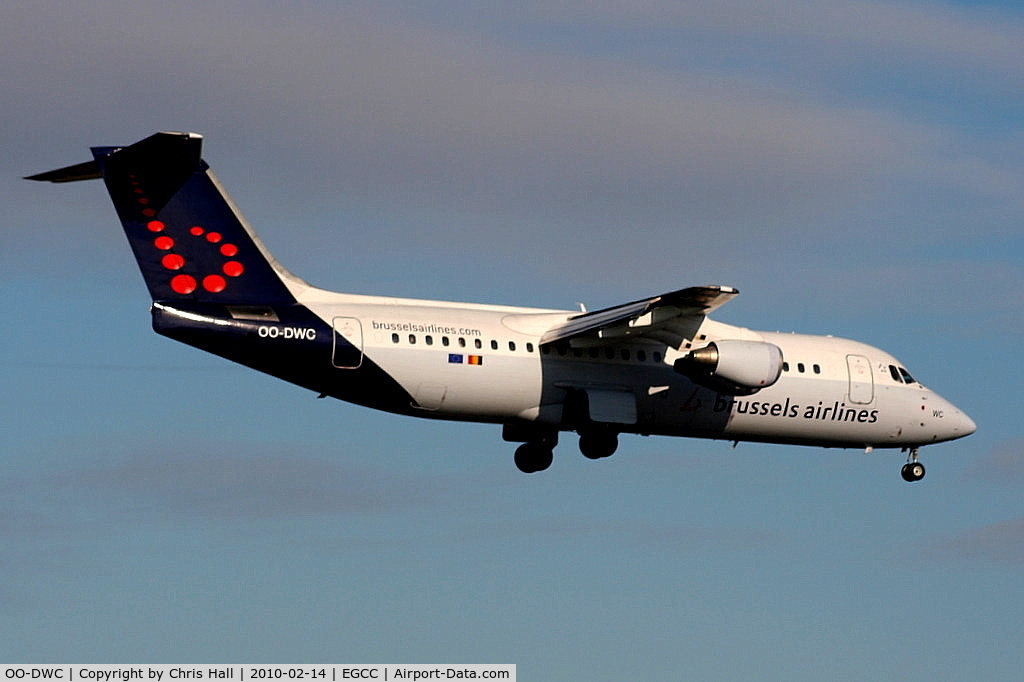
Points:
point(913, 470)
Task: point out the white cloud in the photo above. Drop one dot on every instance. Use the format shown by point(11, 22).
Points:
point(449, 134)
point(997, 543)
point(1003, 465)
point(984, 37)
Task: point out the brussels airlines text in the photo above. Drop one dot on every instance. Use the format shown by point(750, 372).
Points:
point(836, 412)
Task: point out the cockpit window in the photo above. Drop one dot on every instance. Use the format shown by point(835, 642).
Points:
point(895, 374)
point(906, 376)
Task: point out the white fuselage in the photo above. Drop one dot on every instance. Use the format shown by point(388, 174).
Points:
point(486, 363)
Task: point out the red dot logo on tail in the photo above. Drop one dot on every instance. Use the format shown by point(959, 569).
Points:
point(184, 283)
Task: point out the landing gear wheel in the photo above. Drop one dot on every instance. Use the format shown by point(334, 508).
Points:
point(533, 457)
point(598, 445)
point(912, 471)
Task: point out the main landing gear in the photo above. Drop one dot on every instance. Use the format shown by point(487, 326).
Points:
point(537, 454)
point(598, 443)
point(913, 470)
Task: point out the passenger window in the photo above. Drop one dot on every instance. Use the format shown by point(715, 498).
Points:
point(462, 342)
point(429, 340)
point(494, 345)
point(577, 352)
point(478, 343)
point(625, 354)
point(785, 367)
point(593, 352)
point(657, 356)
point(529, 347)
point(609, 353)
point(394, 338)
point(444, 341)
point(800, 367)
point(816, 368)
point(641, 355)
point(412, 339)
point(512, 345)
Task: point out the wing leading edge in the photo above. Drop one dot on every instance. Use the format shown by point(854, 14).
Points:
point(669, 318)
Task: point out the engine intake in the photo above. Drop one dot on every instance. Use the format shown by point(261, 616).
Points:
point(733, 367)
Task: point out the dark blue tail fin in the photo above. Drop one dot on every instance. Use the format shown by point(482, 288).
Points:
point(188, 238)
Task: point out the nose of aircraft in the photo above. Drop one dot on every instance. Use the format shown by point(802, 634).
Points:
point(964, 425)
point(955, 423)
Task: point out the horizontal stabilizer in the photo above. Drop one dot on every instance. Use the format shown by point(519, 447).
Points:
point(90, 170)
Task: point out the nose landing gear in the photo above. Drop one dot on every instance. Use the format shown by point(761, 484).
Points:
point(913, 470)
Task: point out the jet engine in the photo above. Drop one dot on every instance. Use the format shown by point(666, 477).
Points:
point(733, 367)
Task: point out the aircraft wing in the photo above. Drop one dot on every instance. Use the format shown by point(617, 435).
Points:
point(669, 318)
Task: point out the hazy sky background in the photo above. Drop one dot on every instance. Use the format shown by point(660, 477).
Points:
point(854, 168)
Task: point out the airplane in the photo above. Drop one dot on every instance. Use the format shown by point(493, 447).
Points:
point(656, 366)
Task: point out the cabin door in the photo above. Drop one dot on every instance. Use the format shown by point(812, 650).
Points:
point(347, 345)
point(862, 385)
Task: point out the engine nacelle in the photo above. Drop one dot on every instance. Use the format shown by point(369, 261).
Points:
point(733, 367)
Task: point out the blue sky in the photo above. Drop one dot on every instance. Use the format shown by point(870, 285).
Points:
point(853, 168)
